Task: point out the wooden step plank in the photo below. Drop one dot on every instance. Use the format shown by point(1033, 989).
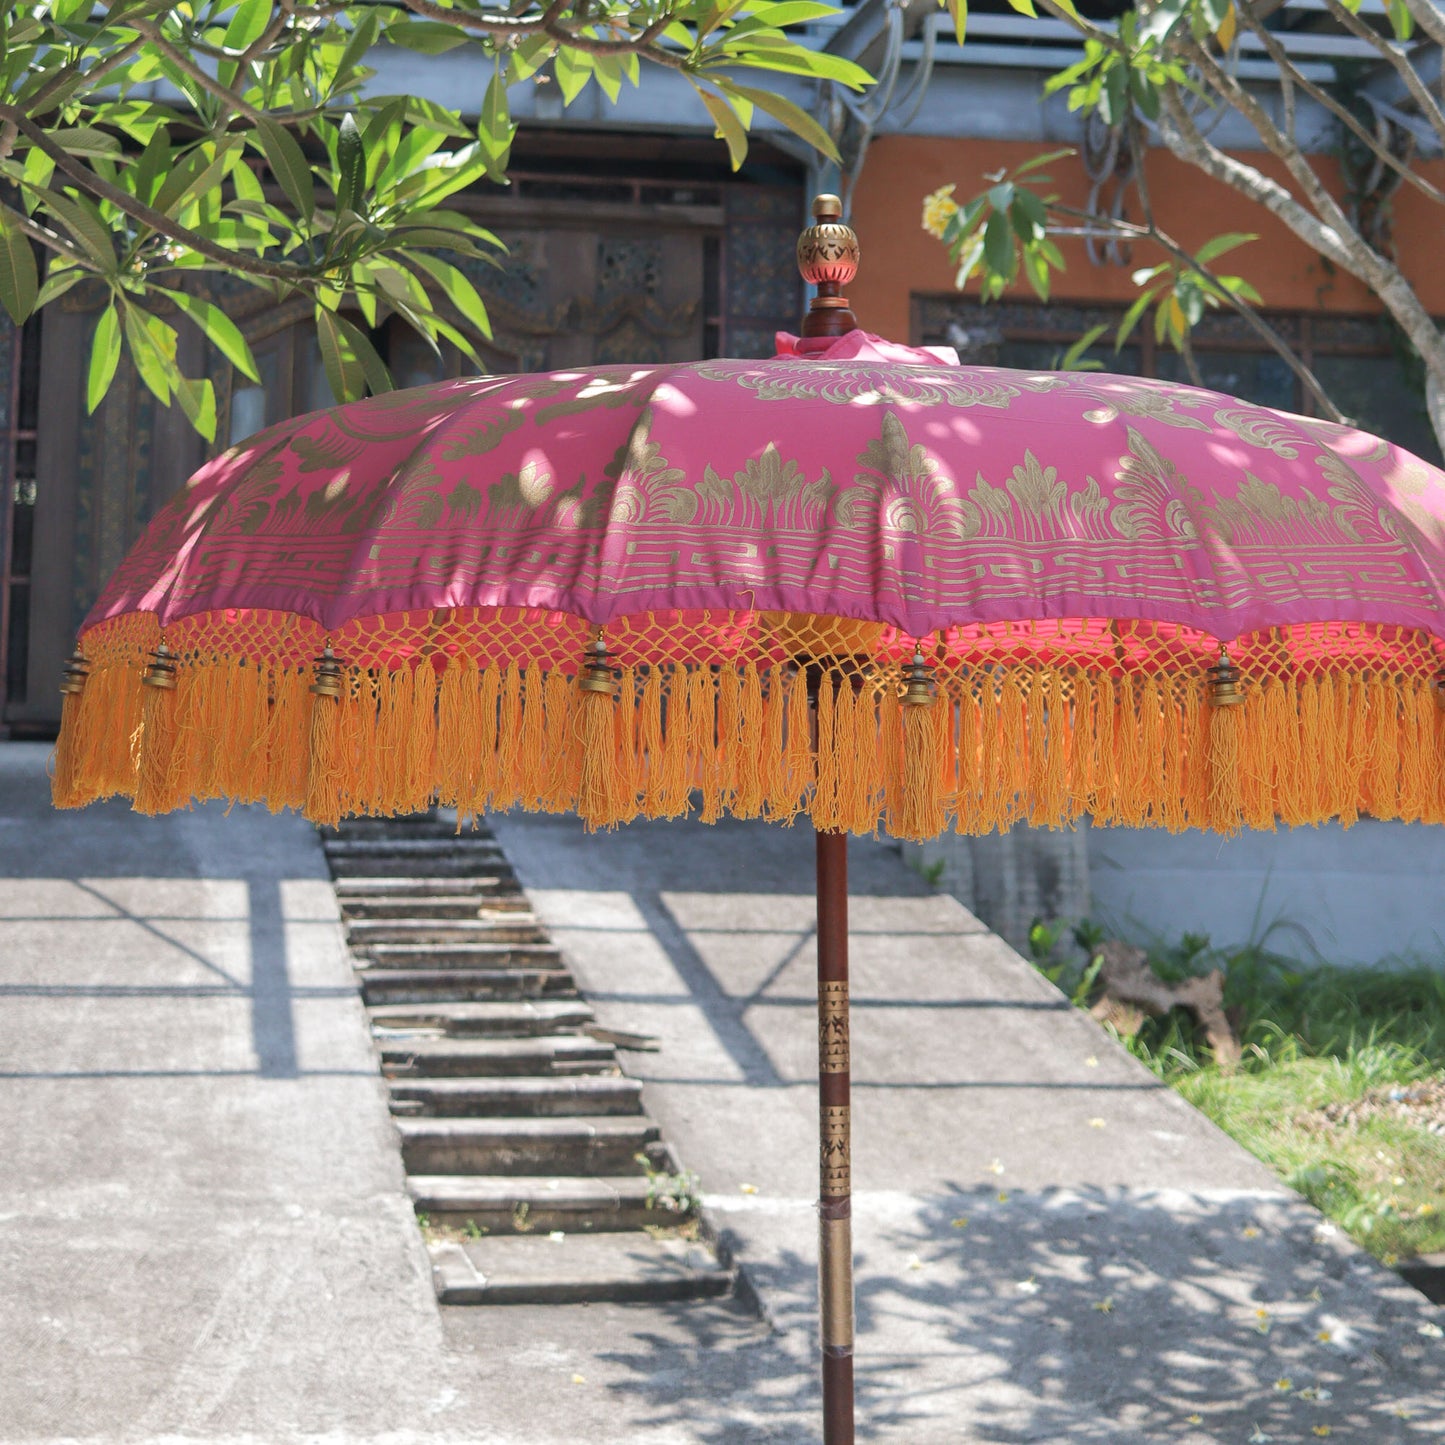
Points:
point(579, 1146)
point(517, 1097)
point(461, 955)
point(464, 1020)
point(521, 1204)
point(485, 1058)
point(462, 985)
point(633, 1268)
point(517, 927)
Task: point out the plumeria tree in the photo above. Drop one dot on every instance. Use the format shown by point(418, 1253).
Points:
point(1160, 77)
point(144, 143)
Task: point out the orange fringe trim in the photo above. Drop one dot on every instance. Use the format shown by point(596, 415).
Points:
point(1044, 743)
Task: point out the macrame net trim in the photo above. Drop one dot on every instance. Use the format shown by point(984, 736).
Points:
point(756, 714)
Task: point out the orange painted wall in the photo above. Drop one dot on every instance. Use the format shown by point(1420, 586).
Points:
point(900, 258)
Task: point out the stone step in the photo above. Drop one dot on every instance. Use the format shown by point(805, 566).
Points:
point(515, 927)
point(516, 1097)
point(461, 905)
point(523, 1204)
point(380, 887)
point(463, 1020)
point(414, 849)
point(576, 1146)
point(461, 955)
point(476, 869)
point(462, 985)
point(576, 1269)
point(416, 826)
point(491, 1058)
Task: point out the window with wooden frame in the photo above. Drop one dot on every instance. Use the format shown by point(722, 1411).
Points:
point(1362, 367)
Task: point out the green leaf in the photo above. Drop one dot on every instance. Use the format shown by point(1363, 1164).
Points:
point(998, 244)
point(1130, 320)
point(201, 171)
point(288, 165)
point(458, 290)
point(83, 222)
point(350, 359)
point(350, 164)
point(104, 357)
point(198, 401)
point(573, 69)
point(429, 37)
point(19, 277)
point(794, 117)
point(155, 360)
point(362, 38)
point(1073, 358)
point(958, 13)
point(57, 283)
point(218, 329)
point(729, 127)
point(1024, 7)
point(1401, 21)
point(494, 126)
point(343, 367)
point(1218, 245)
point(1036, 268)
point(248, 24)
point(84, 140)
point(154, 163)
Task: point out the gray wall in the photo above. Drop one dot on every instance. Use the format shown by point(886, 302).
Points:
point(1366, 894)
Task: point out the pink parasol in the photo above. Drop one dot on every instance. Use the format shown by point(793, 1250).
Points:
point(857, 582)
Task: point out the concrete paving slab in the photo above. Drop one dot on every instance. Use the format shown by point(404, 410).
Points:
point(205, 1235)
point(1051, 1246)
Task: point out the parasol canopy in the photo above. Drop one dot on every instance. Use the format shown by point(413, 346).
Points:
point(390, 602)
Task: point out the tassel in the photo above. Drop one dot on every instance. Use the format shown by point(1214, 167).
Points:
point(729, 729)
point(1129, 746)
point(1225, 800)
point(1173, 809)
point(562, 749)
point(1418, 746)
point(1106, 807)
point(629, 770)
point(862, 807)
point(365, 720)
point(1256, 795)
point(650, 744)
point(674, 785)
point(598, 795)
point(1350, 747)
point(967, 784)
point(485, 778)
point(1048, 730)
point(922, 815)
point(323, 776)
point(824, 811)
point(458, 735)
point(752, 745)
point(800, 772)
point(778, 805)
point(1013, 727)
point(1083, 746)
point(419, 780)
point(508, 790)
point(199, 687)
point(287, 740)
point(66, 790)
point(702, 741)
point(155, 739)
point(1153, 701)
point(533, 780)
point(945, 751)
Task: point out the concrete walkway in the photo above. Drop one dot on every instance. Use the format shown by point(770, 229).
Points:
point(204, 1237)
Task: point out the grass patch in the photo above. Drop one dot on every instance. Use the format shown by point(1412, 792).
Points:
point(1341, 1090)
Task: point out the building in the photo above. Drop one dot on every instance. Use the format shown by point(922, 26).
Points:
point(630, 239)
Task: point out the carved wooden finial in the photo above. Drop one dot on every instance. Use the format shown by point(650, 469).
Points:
point(828, 257)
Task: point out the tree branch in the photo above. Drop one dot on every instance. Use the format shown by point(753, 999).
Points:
point(1341, 113)
point(1354, 256)
point(1427, 16)
point(146, 215)
point(230, 100)
point(1429, 109)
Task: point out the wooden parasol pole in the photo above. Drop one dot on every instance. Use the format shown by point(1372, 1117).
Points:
point(828, 259)
point(835, 1202)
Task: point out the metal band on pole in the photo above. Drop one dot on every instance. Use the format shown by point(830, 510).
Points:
point(835, 1204)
